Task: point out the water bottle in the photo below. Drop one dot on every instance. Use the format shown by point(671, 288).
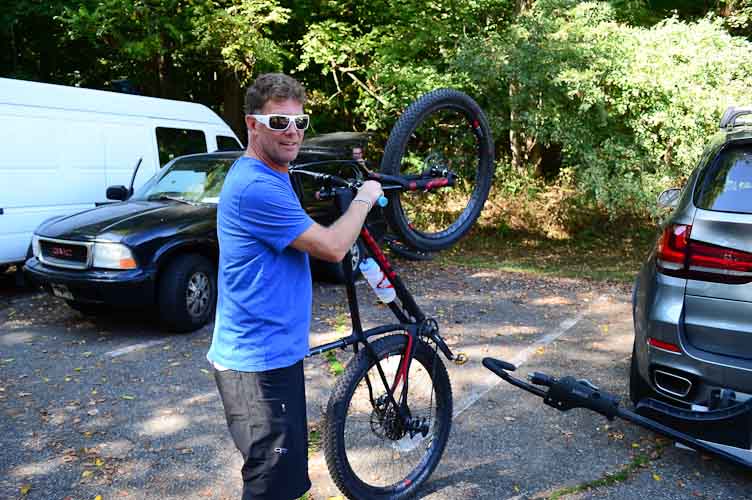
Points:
point(375, 277)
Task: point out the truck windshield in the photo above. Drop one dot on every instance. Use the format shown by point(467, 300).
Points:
point(193, 180)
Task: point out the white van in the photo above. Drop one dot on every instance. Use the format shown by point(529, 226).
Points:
point(61, 147)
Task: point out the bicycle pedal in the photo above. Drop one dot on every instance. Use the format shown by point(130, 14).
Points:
point(460, 359)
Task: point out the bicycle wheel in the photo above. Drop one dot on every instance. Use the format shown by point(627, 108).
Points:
point(444, 129)
point(368, 452)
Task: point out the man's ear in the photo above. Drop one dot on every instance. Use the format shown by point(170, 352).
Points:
point(250, 122)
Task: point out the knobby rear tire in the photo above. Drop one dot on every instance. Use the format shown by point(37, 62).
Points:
point(342, 455)
point(417, 136)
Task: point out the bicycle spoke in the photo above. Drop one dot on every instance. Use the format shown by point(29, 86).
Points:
point(444, 141)
point(378, 451)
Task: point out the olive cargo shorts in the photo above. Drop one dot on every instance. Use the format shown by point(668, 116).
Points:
point(266, 415)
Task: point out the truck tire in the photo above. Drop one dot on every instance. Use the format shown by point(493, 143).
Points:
point(187, 293)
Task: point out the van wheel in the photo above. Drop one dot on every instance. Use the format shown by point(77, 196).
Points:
point(187, 293)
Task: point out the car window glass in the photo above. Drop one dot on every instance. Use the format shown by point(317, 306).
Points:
point(174, 142)
point(226, 143)
point(198, 180)
point(727, 187)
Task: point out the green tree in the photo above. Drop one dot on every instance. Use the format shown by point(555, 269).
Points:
point(377, 56)
point(181, 49)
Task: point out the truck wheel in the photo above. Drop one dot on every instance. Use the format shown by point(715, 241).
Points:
point(187, 293)
point(331, 272)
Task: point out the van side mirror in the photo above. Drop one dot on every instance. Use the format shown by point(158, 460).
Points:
point(118, 193)
point(669, 198)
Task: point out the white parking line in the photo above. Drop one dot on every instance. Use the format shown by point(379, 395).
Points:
point(134, 347)
point(522, 358)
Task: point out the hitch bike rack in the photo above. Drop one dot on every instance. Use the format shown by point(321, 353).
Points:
point(725, 432)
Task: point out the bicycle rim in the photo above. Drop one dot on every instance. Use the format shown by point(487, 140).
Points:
point(380, 460)
point(444, 130)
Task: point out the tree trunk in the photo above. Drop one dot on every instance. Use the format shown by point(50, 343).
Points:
point(526, 152)
point(166, 87)
point(232, 108)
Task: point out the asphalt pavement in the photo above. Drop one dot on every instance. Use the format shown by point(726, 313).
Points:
point(112, 406)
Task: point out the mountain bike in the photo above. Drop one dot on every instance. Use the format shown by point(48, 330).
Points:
point(388, 419)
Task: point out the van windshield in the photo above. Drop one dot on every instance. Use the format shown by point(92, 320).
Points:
point(194, 180)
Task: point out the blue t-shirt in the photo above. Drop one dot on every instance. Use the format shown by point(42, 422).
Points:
point(264, 304)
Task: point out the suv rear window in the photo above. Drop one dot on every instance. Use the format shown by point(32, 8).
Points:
point(727, 185)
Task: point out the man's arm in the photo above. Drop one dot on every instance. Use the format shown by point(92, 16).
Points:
point(332, 243)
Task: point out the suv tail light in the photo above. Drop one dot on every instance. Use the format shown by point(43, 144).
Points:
point(679, 256)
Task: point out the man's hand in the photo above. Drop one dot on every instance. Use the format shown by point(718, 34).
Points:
point(332, 243)
point(370, 191)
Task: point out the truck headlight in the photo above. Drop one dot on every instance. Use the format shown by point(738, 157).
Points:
point(113, 256)
point(36, 248)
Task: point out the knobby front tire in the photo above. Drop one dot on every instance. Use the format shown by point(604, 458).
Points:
point(445, 129)
point(366, 457)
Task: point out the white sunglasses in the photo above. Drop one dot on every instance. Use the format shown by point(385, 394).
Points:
point(280, 123)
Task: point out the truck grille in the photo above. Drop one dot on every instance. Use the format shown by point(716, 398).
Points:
point(61, 253)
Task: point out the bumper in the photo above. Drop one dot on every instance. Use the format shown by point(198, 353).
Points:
point(659, 314)
point(134, 288)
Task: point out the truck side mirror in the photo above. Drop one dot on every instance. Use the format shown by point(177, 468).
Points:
point(118, 193)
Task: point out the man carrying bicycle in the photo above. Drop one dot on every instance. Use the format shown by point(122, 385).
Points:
point(264, 298)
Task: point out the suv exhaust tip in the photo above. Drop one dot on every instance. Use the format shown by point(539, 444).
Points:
point(671, 383)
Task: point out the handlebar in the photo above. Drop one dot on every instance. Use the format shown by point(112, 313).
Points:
point(430, 179)
point(564, 393)
point(331, 183)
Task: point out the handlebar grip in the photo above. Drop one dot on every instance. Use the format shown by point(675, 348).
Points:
point(539, 378)
point(382, 201)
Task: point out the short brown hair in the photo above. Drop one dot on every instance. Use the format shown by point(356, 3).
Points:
point(272, 86)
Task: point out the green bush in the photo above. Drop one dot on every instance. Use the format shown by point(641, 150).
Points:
point(630, 107)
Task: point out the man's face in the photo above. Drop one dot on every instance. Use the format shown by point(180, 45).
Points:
point(279, 148)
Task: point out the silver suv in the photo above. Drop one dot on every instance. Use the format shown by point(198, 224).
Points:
point(692, 301)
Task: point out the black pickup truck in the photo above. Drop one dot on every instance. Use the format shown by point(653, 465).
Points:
point(157, 247)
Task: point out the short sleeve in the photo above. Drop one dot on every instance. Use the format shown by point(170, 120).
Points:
point(271, 212)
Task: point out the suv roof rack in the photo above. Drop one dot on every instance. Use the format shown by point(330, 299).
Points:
point(728, 120)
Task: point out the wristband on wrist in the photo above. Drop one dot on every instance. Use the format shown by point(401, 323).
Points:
point(368, 203)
